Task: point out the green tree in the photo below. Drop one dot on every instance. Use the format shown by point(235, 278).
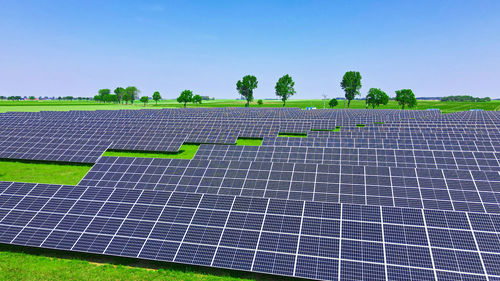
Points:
point(376, 97)
point(133, 92)
point(406, 97)
point(144, 99)
point(126, 97)
point(119, 91)
point(185, 97)
point(111, 98)
point(351, 83)
point(332, 103)
point(103, 92)
point(284, 88)
point(197, 99)
point(260, 102)
point(156, 96)
point(32, 97)
point(246, 86)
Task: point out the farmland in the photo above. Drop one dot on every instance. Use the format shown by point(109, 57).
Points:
point(33, 106)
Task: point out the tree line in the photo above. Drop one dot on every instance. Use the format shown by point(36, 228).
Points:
point(351, 84)
point(465, 98)
point(284, 89)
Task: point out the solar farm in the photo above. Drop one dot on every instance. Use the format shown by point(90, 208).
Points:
point(326, 194)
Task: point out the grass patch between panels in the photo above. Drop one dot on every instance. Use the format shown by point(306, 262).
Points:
point(378, 123)
point(42, 171)
point(28, 263)
point(292, 135)
point(249, 141)
point(360, 125)
point(186, 151)
point(337, 129)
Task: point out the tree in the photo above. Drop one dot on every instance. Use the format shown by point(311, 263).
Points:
point(351, 83)
point(144, 99)
point(103, 92)
point(246, 86)
point(133, 92)
point(119, 91)
point(32, 97)
point(260, 102)
point(332, 103)
point(185, 97)
point(376, 97)
point(126, 97)
point(284, 88)
point(197, 99)
point(156, 96)
point(111, 98)
point(406, 97)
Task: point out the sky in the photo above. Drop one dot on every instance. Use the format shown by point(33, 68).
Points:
point(435, 48)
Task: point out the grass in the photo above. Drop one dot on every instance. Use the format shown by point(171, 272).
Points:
point(378, 123)
point(42, 172)
point(445, 107)
point(337, 129)
point(292, 135)
point(360, 125)
point(27, 263)
point(249, 141)
point(186, 151)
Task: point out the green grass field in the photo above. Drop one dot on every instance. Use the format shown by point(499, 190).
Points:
point(21, 263)
point(42, 172)
point(187, 151)
point(445, 107)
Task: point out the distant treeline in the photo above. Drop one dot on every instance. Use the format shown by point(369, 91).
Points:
point(17, 98)
point(465, 99)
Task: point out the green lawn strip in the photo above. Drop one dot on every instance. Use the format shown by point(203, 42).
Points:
point(292, 135)
point(360, 125)
point(337, 129)
point(378, 123)
point(42, 172)
point(27, 263)
point(249, 141)
point(186, 151)
point(22, 106)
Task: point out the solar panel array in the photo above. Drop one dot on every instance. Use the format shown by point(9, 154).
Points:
point(52, 149)
point(414, 198)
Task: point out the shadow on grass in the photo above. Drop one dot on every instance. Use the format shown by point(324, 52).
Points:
point(292, 135)
point(60, 163)
point(140, 263)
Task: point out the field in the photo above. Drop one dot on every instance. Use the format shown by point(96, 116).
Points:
point(445, 107)
point(19, 263)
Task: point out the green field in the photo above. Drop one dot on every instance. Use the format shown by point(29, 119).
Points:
point(21, 263)
point(42, 172)
point(187, 151)
point(446, 107)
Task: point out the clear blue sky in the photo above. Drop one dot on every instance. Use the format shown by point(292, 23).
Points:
point(74, 48)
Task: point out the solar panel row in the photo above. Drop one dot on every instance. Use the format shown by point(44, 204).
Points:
point(473, 191)
point(433, 159)
point(325, 241)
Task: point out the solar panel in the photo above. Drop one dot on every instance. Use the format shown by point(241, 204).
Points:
point(414, 198)
point(284, 237)
point(473, 191)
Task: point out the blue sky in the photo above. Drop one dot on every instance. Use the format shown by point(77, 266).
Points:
point(75, 48)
